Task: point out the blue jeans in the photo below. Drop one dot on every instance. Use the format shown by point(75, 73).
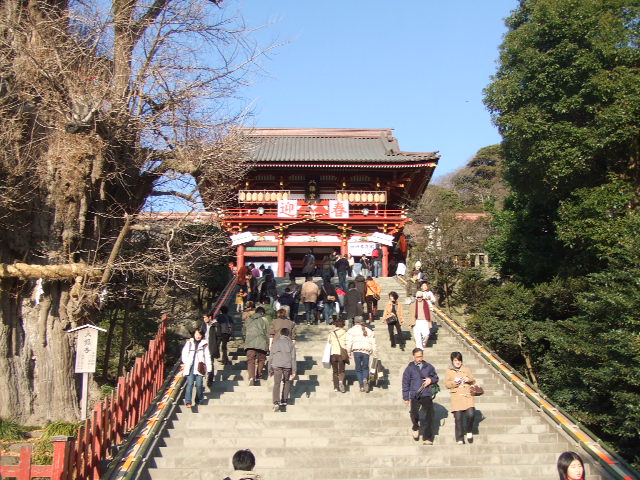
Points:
point(310, 311)
point(189, 390)
point(377, 268)
point(342, 280)
point(329, 309)
point(361, 361)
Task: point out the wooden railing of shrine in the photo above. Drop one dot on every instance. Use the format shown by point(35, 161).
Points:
point(106, 426)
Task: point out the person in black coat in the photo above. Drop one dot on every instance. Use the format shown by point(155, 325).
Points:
point(224, 332)
point(268, 290)
point(287, 300)
point(353, 301)
point(342, 267)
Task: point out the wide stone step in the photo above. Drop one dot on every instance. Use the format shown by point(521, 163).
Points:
point(400, 471)
point(297, 474)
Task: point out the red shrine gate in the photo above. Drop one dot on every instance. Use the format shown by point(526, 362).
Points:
point(325, 189)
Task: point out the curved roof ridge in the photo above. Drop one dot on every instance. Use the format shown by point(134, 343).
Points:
point(317, 132)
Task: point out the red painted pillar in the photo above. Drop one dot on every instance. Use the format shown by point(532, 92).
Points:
point(240, 256)
point(344, 245)
point(385, 261)
point(281, 258)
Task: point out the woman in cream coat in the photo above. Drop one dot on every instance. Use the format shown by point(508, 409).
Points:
point(393, 316)
point(459, 380)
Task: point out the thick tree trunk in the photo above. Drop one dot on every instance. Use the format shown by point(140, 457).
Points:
point(113, 321)
point(37, 353)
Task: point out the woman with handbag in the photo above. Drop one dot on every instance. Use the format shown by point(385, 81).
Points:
point(459, 380)
point(339, 356)
point(372, 296)
point(393, 316)
point(197, 363)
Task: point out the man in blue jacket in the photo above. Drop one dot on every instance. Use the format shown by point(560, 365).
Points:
point(417, 380)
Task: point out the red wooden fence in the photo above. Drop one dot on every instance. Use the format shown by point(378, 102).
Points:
point(105, 426)
point(58, 471)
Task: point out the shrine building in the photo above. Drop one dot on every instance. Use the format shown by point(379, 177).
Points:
point(326, 189)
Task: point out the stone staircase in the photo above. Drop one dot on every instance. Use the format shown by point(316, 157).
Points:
point(330, 435)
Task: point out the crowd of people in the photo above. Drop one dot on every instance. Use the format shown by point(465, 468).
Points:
point(350, 307)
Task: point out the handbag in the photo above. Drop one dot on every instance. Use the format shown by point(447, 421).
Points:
point(326, 356)
point(476, 390)
point(344, 355)
point(202, 368)
point(393, 319)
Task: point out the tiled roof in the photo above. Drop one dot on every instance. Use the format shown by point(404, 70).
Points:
point(329, 145)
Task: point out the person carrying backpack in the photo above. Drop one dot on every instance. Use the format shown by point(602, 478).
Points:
point(282, 367)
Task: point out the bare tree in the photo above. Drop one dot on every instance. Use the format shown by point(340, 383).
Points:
point(445, 233)
point(103, 106)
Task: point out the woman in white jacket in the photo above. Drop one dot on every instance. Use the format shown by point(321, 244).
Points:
point(360, 344)
point(197, 363)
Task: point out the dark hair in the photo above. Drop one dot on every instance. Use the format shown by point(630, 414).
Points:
point(416, 350)
point(287, 290)
point(352, 284)
point(338, 322)
point(284, 332)
point(564, 460)
point(249, 305)
point(456, 356)
point(259, 310)
point(243, 460)
point(369, 278)
point(394, 295)
point(224, 309)
point(308, 278)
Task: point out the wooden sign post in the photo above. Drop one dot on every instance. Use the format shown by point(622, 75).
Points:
point(86, 352)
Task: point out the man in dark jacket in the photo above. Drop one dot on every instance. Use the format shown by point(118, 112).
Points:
point(287, 300)
point(342, 267)
point(224, 332)
point(208, 330)
point(353, 301)
point(417, 381)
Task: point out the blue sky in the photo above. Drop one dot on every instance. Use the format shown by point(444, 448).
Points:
point(418, 66)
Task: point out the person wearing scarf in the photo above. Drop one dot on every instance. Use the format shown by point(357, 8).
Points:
point(458, 380)
point(422, 318)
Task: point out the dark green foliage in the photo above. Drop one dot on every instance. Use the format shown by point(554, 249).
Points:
point(472, 289)
point(566, 99)
point(480, 182)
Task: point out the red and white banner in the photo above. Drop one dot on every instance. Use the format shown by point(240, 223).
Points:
point(338, 208)
point(287, 208)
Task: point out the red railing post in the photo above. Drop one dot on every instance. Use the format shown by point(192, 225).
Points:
point(96, 447)
point(24, 468)
point(62, 448)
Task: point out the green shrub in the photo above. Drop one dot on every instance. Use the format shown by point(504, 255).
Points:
point(10, 430)
point(43, 448)
point(55, 429)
